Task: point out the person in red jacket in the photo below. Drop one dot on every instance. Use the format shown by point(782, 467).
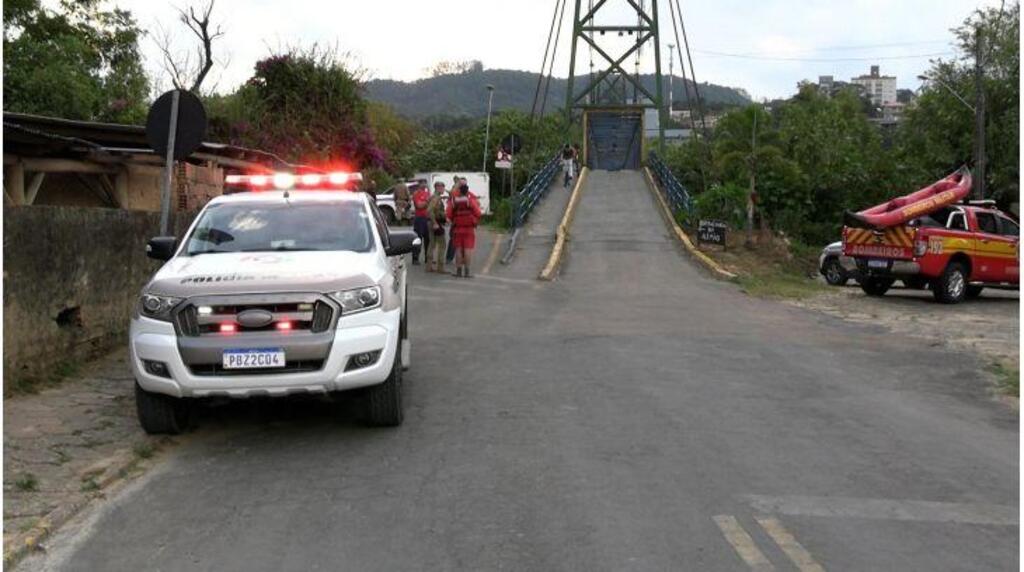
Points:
point(421, 221)
point(464, 212)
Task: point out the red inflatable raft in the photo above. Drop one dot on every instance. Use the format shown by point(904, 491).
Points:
point(902, 209)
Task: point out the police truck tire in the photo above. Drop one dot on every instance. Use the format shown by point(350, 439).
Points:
point(161, 413)
point(974, 291)
point(834, 272)
point(951, 287)
point(875, 286)
point(384, 401)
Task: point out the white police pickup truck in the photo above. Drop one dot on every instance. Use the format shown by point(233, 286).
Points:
point(294, 286)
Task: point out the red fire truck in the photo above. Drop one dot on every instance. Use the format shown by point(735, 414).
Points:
point(956, 248)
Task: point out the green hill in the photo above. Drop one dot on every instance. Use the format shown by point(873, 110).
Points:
point(464, 95)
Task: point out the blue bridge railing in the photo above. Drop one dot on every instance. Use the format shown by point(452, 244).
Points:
point(678, 197)
point(532, 192)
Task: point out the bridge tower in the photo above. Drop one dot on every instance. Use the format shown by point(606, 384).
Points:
point(612, 102)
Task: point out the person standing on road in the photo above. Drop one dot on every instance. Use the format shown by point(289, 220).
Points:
point(464, 212)
point(401, 195)
point(438, 218)
point(450, 255)
point(421, 221)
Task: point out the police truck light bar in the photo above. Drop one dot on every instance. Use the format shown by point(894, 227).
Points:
point(289, 181)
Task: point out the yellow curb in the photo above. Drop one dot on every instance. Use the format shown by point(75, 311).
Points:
point(666, 212)
point(495, 250)
point(561, 235)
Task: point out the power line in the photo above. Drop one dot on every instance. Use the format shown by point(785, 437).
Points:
point(790, 59)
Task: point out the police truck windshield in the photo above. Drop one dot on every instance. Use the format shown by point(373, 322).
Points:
point(281, 226)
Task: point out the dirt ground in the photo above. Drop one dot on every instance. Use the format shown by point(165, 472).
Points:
point(989, 325)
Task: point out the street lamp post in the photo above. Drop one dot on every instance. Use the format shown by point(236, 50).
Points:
point(487, 134)
point(949, 89)
point(979, 125)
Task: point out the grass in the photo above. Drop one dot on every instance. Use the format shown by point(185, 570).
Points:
point(26, 483)
point(1007, 378)
point(143, 450)
point(779, 285)
point(772, 268)
point(89, 485)
point(30, 383)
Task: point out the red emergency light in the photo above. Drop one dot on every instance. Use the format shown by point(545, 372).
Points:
point(289, 181)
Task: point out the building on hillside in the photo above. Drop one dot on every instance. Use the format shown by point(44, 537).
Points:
point(880, 89)
point(53, 161)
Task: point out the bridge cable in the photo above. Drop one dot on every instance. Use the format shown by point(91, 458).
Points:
point(554, 53)
point(693, 74)
point(686, 93)
point(543, 63)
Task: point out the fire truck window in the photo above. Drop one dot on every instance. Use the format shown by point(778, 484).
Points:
point(957, 222)
point(1009, 228)
point(987, 223)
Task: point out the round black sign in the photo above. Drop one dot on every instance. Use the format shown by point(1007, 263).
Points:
point(191, 124)
point(513, 142)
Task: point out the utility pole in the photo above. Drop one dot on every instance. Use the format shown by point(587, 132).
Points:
point(487, 133)
point(749, 243)
point(979, 116)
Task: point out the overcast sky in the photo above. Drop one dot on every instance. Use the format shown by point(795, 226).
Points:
point(779, 42)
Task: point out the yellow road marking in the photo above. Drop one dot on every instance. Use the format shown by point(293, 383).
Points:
point(797, 553)
point(742, 543)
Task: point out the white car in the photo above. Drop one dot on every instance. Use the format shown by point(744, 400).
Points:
point(274, 292)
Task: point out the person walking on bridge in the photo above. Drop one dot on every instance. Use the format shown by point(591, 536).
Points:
point(421, 221)
point(568, 164)
point(464, 212)
point(438, 219)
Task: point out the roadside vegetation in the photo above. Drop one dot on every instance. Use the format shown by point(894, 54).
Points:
point(1007, 378)
point(815, 155)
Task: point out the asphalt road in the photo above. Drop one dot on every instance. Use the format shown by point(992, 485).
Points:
point(633, 415)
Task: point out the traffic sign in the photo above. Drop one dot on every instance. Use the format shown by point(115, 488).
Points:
point(191, 124)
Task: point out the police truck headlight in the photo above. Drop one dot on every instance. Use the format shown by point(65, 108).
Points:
point(358, 300)
point(157, 307)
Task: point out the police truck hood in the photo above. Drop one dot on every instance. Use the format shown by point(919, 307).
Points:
point(265, 272)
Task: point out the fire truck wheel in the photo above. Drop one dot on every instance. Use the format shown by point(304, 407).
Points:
point(974, 291)
point(875, 286)
point(951, 287)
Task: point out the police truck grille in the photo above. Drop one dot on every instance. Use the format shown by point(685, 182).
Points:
point(208, 316)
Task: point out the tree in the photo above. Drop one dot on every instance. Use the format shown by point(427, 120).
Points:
point(305, 105)
point(936, 135)
point(184, 71)
point(80, 61)
point(747, 149)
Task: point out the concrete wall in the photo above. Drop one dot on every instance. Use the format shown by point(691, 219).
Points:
point(71, 278)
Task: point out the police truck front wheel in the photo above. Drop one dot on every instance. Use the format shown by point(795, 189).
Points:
point(951, 286)
point(161, 413)
point(875, 286)
point(384, 401)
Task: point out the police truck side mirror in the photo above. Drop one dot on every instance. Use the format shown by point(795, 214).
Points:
point(162, 247)
point(402, 242)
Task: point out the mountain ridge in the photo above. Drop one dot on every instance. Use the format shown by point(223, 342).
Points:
point(465, 94)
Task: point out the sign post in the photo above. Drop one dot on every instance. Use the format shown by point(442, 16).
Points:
point(175, 127)
point(165, 191)
point(711, 232)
